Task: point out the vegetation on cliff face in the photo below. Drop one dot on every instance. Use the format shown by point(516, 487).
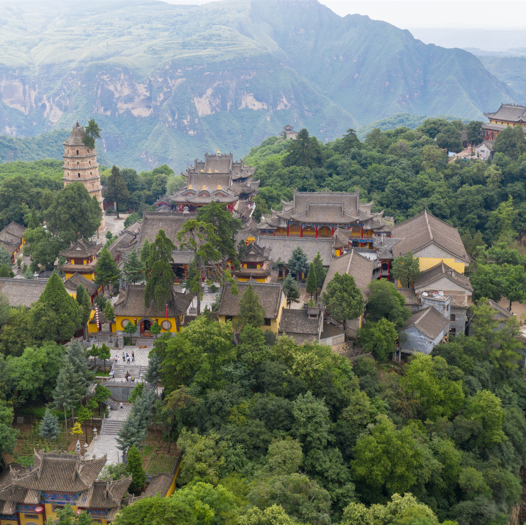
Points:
point(165, 82)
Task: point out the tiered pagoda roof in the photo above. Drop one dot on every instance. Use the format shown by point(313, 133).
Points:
point(509, 113)
point(324, 208)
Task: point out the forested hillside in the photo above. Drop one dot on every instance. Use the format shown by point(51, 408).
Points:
point(167, 82)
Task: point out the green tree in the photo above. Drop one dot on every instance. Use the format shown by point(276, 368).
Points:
point(49, 427)
point(475, 133)
point(273, 515)
point(157, 510)
point(116, 189)
point(385, 302)
point(153, 372)
point(501, 220)
point(387, 458)
point(343, 299)
point(321, 271)
point(134, 467)
point(312, 285)
point(379, 338)
point(56, 316)
point(104, 353)
point(73, 214)
point(485, 407)
point(304, 151)
point(426, 379)
point(66, 392)
point(42, 246)
point(175, 409)
point(92, 133)
point(131, 328)
point(8, 435)
point(106, 270)
point(155, 328)
point(511, 142)
point(145, 256)
point(226, 229)
point(133, 270)
point(311, 422)
point(250, 310)
point(4, 271)
point(406, 269)
point(284, 457)
point(5, 258)
point(159, 286)
point(297, 263)
point(291, 290)
point(4, 309)
point(450, 139)
point(109, 313)
point(67, 516)
point(349, 142)
point(84, 302)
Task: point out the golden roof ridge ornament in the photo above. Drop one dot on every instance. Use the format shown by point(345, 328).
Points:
point(218, 152)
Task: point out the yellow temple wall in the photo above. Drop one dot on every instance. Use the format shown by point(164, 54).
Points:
point(429, 262)
point(9, 522)
point(27, 518)
point(121, 318)
point(88, 276)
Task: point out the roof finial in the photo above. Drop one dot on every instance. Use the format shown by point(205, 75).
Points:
point(218, 152)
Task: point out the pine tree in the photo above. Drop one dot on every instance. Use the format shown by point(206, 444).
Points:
point(28, 274)
point(83, 300)
point(104, 353)
point(5, 258)
point(106, 271)
point(92, 132)
point(109, 312)
point(66, 392)
point(49, 427)
point(304, 151)
point(131, 433)
point(160, 283)
point(56, 316)
point(250, 310)
point(134, 467)
point(145, 257)
point(153, 372)
point(312, 285)
point(291, 290)
point(297, 263)
point(321, 272)
point(77, 356)
point(116, 189)
point(133, 271)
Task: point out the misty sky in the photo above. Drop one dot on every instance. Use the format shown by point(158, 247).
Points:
point(407, 14)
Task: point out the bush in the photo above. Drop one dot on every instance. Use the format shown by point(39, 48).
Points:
point(38, 412)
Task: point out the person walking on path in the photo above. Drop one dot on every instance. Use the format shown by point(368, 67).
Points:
point(122, 405)
point(133, 356)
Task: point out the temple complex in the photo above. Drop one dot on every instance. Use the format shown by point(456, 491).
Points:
point(288, 133)
point(321, 215)
point(254, 264)
point(216, 179)
point(80, 165)
point(31, 496)
point(506, 115)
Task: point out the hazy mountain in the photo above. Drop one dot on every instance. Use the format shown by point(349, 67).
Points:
point(167, 82)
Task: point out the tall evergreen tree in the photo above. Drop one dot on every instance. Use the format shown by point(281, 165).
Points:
point(4, 271)
point(291, 290)
point(92, 132)
point(343, 298)
point(66, 392)
point(153, 372)
point(226, 229)
point(250, 310)
point(303, 151)
point(49, 427)
point(145, 257)
point(312, 285)
point(116, 189)
point(160, 283)
point(106, 271)
point(297, 263)
point(4, 309)
point(133, 271)
point(134, 467)
point(83, 300)
point(320, 270)
point(5, 258)
point(56, 316)
point(77, 356)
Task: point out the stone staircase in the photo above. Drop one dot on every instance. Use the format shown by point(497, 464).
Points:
point(111, 427)
point(136, 371)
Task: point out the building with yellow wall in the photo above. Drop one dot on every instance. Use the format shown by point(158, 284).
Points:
point(12, 239)
point(81, 258)
point(270, 296)
point(254, 265)
point(130, 308)
point(91, 287)
point(431, 240)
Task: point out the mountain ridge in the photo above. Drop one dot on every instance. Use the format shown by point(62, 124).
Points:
point(168, 82)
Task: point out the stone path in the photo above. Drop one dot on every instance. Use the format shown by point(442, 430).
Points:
point(141, 355)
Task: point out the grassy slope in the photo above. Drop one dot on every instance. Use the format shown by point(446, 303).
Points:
point(511, 70)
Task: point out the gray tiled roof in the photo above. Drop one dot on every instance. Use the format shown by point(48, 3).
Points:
point(131, 304)
point(409, 295)
point(11, 237)
point(76, 279)
point(82, 249)
point(282, 247)
point(77, 134)
point(159, 484)
point(500, 309)
point(105, 494)
point(122, 244)
point(153, 222)
point(428, 277)
point(425, 229)
point(298, 322)
point(255, 253)
point(270, 296)
point(510, 113)
point(429, 321)
point(60, 472)
point(356, 265)
point(22, 292)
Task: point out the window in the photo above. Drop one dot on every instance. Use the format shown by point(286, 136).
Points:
point(452, 317)
point(452, 331)
point(166, 325)
point(125, 322)
point(78, 164)
point(77, 152)
point(79, 175)
point(228, 318)
point(385, 267)
point(267, 322)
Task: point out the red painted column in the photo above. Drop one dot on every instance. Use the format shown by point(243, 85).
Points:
point(274, 233)
point(301, 231)
point(316, 231)
point(332, 230)
point(362, 232)
point(288, 230)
